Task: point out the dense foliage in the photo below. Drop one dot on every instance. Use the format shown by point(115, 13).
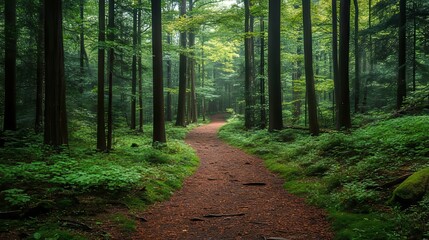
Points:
point(351, 174)
point(80, 182)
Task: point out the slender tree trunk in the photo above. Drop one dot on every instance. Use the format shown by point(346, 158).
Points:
point(158, 91)
point(365, 81)
point(10, 65)
point(274, 63)
point(168, 110)
point(371, 60)
point(203, 75)
point(82, 47)
point(191, 62)
point(263, 122)
point(181, 106)
point(337, 89)
point(309, 77)
point(40, 76)
point(55, 133)
point(401, 82)
point(249, 112)
point(101, 135)
point(139, 62)
point(414, 46)
point(134, 72)
point(111, 58)
point(296, 93)
point(357, 59)
point(344, 113)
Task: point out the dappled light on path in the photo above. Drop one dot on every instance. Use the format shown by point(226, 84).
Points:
point(232, 196)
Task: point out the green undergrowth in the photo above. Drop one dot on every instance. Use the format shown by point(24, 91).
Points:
point(351, 174)
point(79, 181)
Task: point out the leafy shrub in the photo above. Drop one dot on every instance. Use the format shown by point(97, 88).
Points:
point(346, 172)
point(16, 197)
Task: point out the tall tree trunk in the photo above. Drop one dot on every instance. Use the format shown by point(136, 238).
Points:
point(82, 47)
point(191, 62)
point(10, 33)
point(203, 75)
point(40, 75)
point(357, 59)
point(158, 91)
point(309, 77)
point(181, 106)
point(414, 45)
point(371, 61)
point(169, 114)
point(134, 71)
point(274, 63)
point(344, 113)
point(111, 57)
point(296, 93)
point(139, 62)
point(55, 133)
point(401, 82)
point(101, 135)
point(248, 86)
point(263, 122)
point(335, 69)
point(188, 93)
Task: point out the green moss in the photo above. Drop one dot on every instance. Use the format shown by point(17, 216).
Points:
point(345, 172)
point(413, 188)
point(287, 171)
point(55, 232)
point(362, 226)
point(125, 223)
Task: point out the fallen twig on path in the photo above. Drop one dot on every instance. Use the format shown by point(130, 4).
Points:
point(224, 215)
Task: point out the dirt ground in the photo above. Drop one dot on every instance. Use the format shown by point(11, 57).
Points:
point(232, 196)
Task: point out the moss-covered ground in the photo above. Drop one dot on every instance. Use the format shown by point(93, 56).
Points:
point(352, 175)
point(46, 194)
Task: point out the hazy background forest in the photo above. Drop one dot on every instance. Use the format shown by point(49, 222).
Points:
point(364, 87)
point(219, 57)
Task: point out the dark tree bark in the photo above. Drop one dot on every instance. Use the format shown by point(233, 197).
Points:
point(191, 62)
point(55, 133)
point(82, 47)
point(337, 91)
point(296, 94)
point(101, 134)
point(181, 105)
point(263, 122)
point(111, 58)
point(309, 75)
point(357, 60)
point(10, 33)
point(169, 115)
point(140, 66)
point(401, 82)
point(203, 75)
point(371, 61)
point(134, 72)
point(40, 75)
point(274, 67)
point(414, 45)
point(248, 82)
point(158, 91)
point(344, 113)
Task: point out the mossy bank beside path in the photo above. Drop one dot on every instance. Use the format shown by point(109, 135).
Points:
point(231, 196)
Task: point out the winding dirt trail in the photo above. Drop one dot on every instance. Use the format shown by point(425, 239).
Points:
point(238, 211)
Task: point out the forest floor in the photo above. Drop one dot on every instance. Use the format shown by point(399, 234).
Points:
point(231, 196)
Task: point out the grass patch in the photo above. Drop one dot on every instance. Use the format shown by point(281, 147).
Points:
point(125, 223)
point(80, 182)
point(348, 173)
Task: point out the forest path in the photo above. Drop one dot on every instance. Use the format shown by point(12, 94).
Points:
point(216, 203)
